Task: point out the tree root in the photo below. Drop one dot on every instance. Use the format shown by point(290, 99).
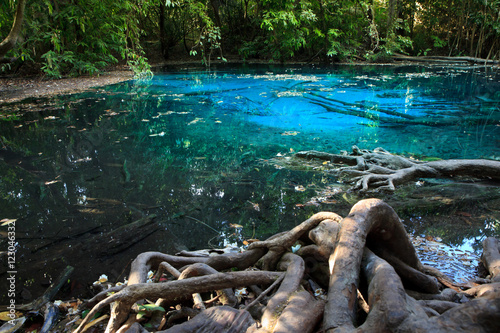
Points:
point(371, 262)
point(379, 170)
point(175, 289)
point(279, 245)
point(491, 257)
point(294, 266)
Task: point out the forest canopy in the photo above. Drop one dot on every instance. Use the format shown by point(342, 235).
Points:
point(82, 37)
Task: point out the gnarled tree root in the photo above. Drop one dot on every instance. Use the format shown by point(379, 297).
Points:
point(371, 262)
point(369, 220)
point(282, 243)
point(380, 170)
point(491, 257)
point(175, 289)
point(217, 319)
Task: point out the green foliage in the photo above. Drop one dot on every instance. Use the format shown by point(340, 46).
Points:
point(83, 37)
point(74, 38)
point(459, 27)
point(139, 65)
point(208, 43)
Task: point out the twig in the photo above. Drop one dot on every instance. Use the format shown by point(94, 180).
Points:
point(265, 292)
point(206, 225)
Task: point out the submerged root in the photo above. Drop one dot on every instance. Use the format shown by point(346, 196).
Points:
point(379, 170)
point(370, 263)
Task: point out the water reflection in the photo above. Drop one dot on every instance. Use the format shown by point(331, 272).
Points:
point(190, 148)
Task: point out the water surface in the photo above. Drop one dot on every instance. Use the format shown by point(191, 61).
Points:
point(192, 147)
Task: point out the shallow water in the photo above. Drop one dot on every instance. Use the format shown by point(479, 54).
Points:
point(190, 147)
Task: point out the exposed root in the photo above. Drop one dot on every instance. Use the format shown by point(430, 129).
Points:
point(379, 170)
point(371, 262)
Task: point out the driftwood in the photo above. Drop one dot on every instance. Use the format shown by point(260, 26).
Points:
point(370, 264)
point(379, 170)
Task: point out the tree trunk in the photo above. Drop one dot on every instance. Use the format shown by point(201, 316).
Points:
point(10, 41)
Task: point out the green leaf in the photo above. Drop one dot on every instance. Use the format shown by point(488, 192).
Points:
point(151, 307)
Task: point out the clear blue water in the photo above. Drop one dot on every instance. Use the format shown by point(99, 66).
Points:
point(190, 147)
point(432, 112)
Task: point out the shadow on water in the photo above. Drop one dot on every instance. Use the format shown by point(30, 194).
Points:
point(181, 162)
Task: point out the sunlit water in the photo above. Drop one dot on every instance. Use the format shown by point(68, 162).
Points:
point(191, 146)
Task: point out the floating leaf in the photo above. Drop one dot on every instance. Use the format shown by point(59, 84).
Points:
point(158, 134)
point(195, 121)
point(252, 240)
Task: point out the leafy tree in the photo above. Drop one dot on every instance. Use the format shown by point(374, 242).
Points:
point(81, 37)
point(78, 37)
point(459, 27)
point(10, 41)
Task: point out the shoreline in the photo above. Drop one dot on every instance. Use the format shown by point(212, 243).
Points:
point(16, 89)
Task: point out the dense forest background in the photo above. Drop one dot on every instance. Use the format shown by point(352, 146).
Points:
point(61, 37)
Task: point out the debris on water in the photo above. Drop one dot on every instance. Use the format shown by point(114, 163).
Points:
point(300, 188)
point(458, 264)
point(290, 133)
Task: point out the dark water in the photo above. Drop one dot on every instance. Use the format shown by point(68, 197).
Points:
point(191, 146)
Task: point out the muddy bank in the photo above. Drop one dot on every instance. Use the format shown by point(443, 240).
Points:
point(16, 89)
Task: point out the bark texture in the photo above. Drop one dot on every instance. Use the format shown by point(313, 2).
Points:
point(379, 170)
point(10, 41)
point(364, 261)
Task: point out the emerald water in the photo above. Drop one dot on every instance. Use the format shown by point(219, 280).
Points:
point(194, 148)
